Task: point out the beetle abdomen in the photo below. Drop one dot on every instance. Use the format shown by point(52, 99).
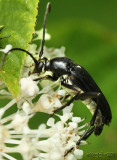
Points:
point(82, 79)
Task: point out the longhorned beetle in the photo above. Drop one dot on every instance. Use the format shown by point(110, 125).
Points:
point(76, 78)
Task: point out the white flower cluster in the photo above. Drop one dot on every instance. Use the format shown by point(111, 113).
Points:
point(49, 141)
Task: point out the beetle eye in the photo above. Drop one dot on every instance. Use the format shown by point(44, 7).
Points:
point(40, 67)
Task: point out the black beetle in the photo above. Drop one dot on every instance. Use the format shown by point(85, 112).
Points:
point(78, 80)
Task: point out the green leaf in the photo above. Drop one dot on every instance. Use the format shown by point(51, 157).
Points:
point(1, 28)
point(18, 17)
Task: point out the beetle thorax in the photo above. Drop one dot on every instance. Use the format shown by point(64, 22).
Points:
point(58, 66)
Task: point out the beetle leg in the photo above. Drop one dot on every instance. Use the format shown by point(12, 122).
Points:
point(67, 96)
point(91, 124)
point(66, 85)
point(86, 95)
point(85, 137)
point(70, 150)
point(78, 96)
point(52, 78)
point(66, 104)
point(88, 131)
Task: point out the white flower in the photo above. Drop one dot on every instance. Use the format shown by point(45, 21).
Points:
point(29, 87)
point(60, 138)
point(54, 52)
point(47, 104)
point(40, 35)
point(27, 108)
point(49, 141)
point(67, 114)
point(61, 92)
point(28, 148)
point(4, 134)
point(19, 122)
point(78, 153)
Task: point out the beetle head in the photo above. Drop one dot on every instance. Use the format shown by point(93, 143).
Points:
point(40, 66)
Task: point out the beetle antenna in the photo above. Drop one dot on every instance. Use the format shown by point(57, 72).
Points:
point(19, 49)
point(48, 8)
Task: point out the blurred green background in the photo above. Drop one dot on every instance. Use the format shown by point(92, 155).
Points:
point(88, 30)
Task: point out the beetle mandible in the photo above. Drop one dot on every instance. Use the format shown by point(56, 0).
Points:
point(81, 83)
